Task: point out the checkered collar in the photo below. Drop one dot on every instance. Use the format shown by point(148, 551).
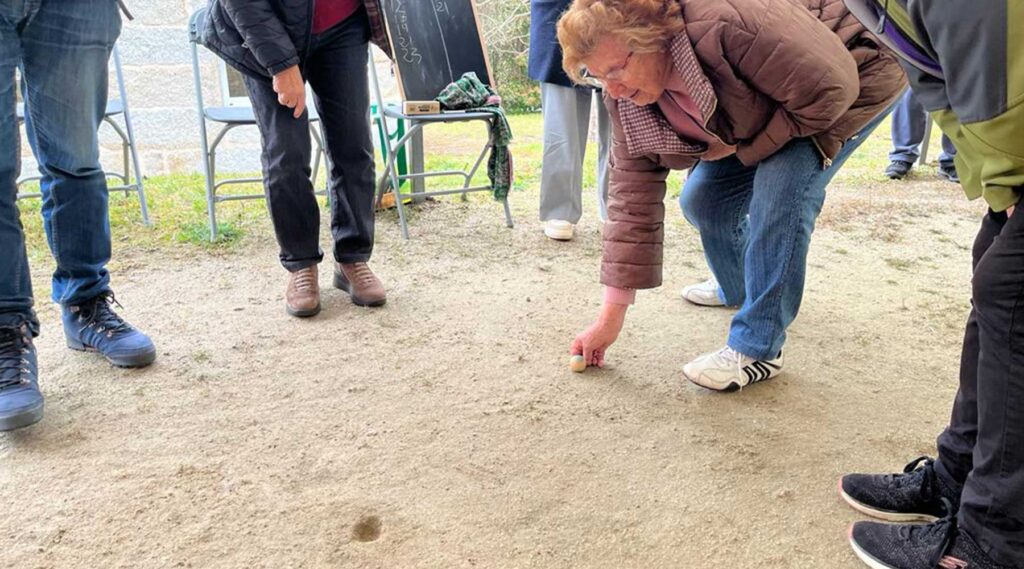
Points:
point(646, 128)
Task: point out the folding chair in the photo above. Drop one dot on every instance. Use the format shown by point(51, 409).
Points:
point(129, 150)
point(235, 111)
point(414, 125)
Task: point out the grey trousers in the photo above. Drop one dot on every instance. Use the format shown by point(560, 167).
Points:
point(566, 122)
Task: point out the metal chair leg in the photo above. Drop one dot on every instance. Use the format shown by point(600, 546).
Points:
point(132, 147)
point(392, 172)
point(508, 214)
point(211, 197)
point(124, 155)
point(480, 158)
point(139, 188)
point(207, 170)
point(316, 154)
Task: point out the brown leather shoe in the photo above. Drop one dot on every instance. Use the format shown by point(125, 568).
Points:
point(360, 283)
point(303, 296)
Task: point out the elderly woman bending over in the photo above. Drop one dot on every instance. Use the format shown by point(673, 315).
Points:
point(766, 99)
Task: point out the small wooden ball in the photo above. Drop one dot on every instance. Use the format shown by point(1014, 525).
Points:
point(577, 363)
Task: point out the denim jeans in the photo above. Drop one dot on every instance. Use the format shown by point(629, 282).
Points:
point(755, 223)
point(908, 122)
point(336, 68)
point(62, 48)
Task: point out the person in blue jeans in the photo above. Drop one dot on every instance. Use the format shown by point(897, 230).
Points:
point(755, 224)
point(909, 120)
point(62, 49)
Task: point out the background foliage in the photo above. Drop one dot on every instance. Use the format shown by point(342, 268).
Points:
point(506, 29)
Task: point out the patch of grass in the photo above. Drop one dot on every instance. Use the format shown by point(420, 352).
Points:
point(899, 264)
point(198, 233)
point(177, 209)
point(887, 233)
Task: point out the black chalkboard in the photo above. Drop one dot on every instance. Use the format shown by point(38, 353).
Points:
point(435, 42)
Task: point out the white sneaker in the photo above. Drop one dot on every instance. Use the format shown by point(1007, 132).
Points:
point(729, 370)
point(559, 230)
point(703, 294)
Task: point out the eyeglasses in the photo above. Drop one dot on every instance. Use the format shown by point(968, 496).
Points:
point(615, 74)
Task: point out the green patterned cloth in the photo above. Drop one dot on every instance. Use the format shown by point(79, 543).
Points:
point(468, 93)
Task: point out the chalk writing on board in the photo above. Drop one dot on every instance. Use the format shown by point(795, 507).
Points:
point(441, 7)
point(407, 50)
point(434, 42)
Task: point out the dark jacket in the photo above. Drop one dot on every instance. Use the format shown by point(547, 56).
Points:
point(762, 72)
point(545, 60)
point(261, 38)
point(980, 104)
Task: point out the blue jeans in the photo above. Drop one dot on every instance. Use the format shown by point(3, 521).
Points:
point(755, 223)
point(908, 123)
point(62, 48)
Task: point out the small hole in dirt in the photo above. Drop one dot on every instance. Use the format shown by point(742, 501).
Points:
point(366, 529)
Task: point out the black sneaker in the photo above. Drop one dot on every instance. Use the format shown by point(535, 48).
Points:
point(898, 169)
point(908, 546)
point(916, 495)
point(21, 403)
point(948, 171)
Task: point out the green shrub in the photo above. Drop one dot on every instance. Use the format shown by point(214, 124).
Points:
point(506, 29)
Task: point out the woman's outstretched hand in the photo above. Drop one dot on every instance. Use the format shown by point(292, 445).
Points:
point(593, 342)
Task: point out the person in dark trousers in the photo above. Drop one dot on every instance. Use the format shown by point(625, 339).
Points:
point(279, 45)
point(909, 122)
point(971, 497)
point(566, 110)
point(62, 48)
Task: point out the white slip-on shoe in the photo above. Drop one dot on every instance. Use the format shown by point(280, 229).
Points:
point(559, 230)
point(703, 294)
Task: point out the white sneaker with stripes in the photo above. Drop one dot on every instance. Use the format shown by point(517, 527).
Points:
point(729, 370)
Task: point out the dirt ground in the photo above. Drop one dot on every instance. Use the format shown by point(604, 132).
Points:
point(445, 429)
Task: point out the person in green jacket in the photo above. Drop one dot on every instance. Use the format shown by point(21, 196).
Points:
point(965, 60)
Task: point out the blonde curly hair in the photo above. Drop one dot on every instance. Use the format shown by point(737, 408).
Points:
point(647, 26)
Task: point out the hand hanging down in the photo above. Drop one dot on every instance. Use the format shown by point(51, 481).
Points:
point(291, 90)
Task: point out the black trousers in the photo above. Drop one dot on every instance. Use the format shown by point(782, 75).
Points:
point(336, 68)
point(983, 447)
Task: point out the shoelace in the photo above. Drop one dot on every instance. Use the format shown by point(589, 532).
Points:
point(728, 357)
point(14, 345)
point(945, 527)
point(304, 280)
point(97, 315)
point(361, 272)
point(923, 467)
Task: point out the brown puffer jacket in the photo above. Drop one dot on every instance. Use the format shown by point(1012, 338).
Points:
point(762, 72)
